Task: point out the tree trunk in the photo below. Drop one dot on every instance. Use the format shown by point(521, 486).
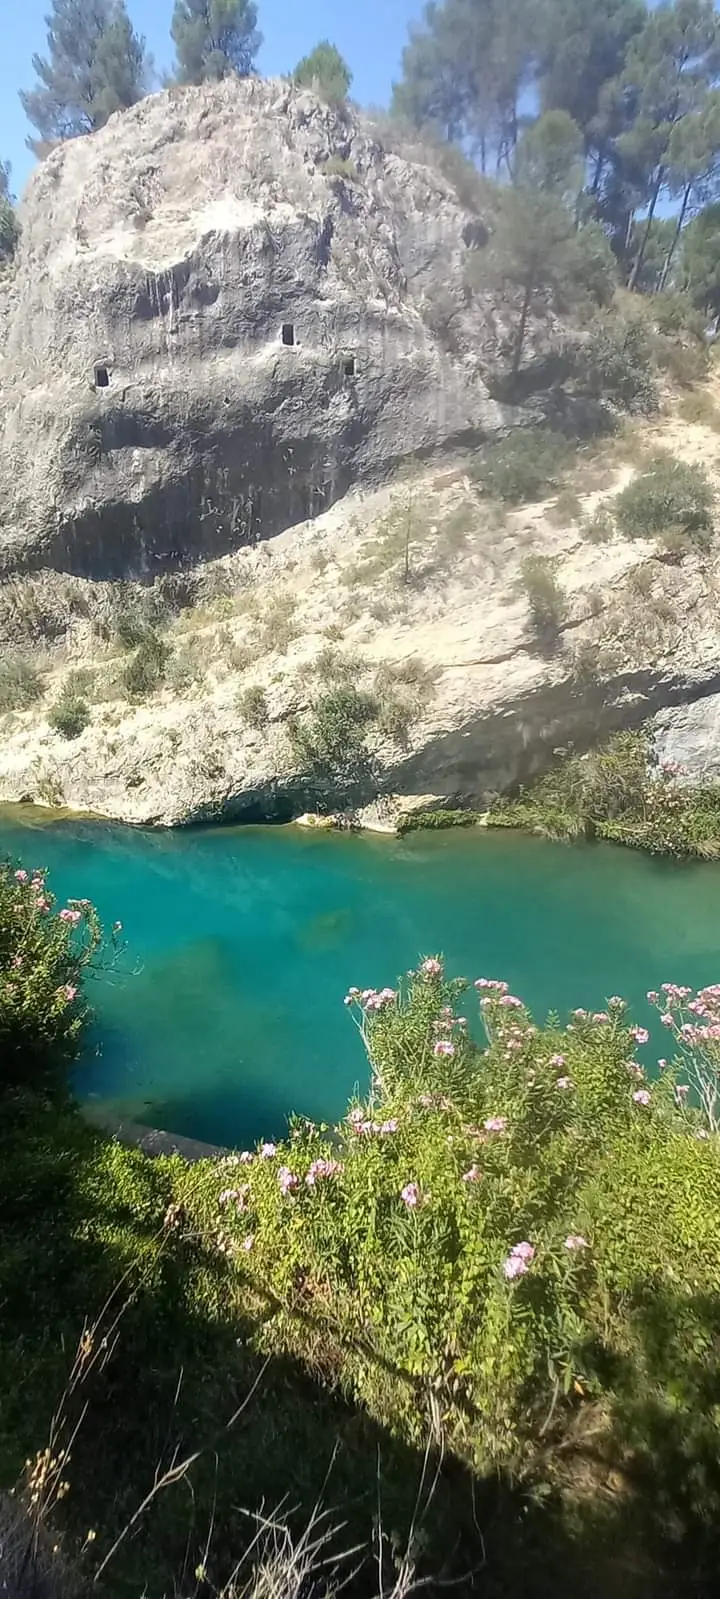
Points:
point(597, 175)
point(667, 263)
point(522, 326)
point(640, 257)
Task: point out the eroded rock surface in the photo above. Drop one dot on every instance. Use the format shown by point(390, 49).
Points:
point(150, 412)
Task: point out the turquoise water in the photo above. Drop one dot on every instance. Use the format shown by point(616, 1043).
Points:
point(228, 1011)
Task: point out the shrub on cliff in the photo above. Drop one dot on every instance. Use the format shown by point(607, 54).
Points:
point(525, 465)
point(20, 684)
point(671, 497)
point(43, 954)
point(146, 671)
point(70, 714)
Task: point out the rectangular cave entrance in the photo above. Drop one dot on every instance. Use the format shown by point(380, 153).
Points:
point(288, 333)
point(348, 366)
point(101, 376)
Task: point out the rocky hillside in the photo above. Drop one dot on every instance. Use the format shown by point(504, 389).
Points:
point(219, 323)
point(258, 551)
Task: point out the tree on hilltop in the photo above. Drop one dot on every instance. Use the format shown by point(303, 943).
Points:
point(214, 38)
point(325, 71)
point(9, 225)
point(96, 64)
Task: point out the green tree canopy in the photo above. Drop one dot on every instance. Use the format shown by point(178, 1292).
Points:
point(464, 70)
point(214, 38)
point(537, 251)
point(701, 259)
point(324, 70)
point(96, 64)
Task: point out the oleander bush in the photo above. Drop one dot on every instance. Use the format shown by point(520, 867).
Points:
point(43, 954)
point(477, 1227)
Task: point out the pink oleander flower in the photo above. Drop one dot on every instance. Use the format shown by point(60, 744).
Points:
point(564, 1082)
point(474, 1175)
point(600, 1016)
point(390, 1126)
point(518, 1261)
point(364, 1129)
point(356, 1116)
point(641, 1096)
point(431, 967)
point(267, 1151)
point(581, 1014)
point(234, 1196)
point(443, 1047)
point(21, 877)
point(640, 1034)
point(514, 1267)
point(491, 984)
point(495, 1124)
point(68, 992)
point(576, 1241)
point(410, 1195)
point(682, 1090)
point(557, 1060)
point(245, 1157)
point(321, 1169)
point(73, 917)
point(287, 1180)
point(511, 1002)
point(616, 1002)
point(653, 996)
point(667, 1020)
point(43, 906)
point(662, 1065)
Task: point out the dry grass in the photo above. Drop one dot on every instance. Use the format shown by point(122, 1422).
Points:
point(699, 409)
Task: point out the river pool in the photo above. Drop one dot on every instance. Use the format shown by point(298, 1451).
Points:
point(227, 1010)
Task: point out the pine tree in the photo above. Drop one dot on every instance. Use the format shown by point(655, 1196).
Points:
point(325, 71)
point(96, 64)
point(214, 38)
point(9, 225)
point(537, 250)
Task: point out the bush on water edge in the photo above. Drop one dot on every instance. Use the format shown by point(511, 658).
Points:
point(504, 1250)
point(621, 793)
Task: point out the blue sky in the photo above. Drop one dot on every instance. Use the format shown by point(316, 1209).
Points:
point(371, 37)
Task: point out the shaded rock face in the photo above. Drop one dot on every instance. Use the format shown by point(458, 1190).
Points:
point(689, 736)
point(209, 337)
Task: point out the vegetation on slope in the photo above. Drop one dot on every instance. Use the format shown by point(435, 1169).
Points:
point(621, 793)
point(439, 1317)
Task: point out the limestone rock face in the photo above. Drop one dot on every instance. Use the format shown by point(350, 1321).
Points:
point(150, 411)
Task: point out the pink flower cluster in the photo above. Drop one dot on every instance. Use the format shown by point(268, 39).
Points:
point(411, 1196)
point(71, 917)
point(474, 1175)
point(362, 1126)
point(443, 1046)
point(431, 967)
point(491, 986)
point(575, 1242)
point(322, 1169)
point(518, 1261)
point(288, 1180)
point(495, 1124)
point(234, 1196)
point(371, 999)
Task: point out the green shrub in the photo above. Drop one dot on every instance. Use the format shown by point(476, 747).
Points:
point(43, 954)
point(620, 793)
point(670, 496)
point(331, 743)
point(434, 821)
point(69, 715)
point(130, 630)
point(525, 465)
point(508, 1225)
point(544, 595)
point(337, 167)
point(9, 229)
point(80, 681)
point(279, 624)
point(146, 671)
point(615, 364)
point(599, 526)
point(253, 706)
point(20, 685)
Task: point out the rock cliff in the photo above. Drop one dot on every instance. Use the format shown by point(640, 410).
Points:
point(219, 323)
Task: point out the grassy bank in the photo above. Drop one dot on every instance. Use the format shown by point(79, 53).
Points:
point(473, 1327)
point(618, 793)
